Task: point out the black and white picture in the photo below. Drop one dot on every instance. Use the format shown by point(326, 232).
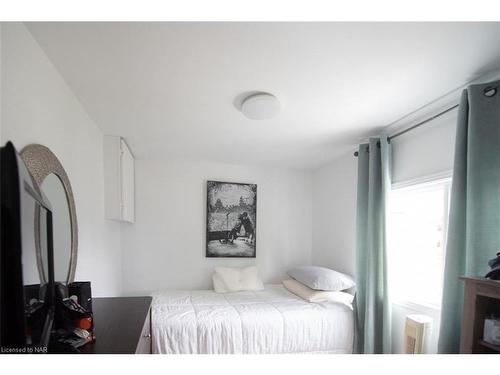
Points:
point(231, 219)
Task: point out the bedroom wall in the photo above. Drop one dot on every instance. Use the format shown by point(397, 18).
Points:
point(165, 248)
point(334, 214)
point(38, 107)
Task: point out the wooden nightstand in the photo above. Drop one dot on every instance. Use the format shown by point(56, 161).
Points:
point(481, 299)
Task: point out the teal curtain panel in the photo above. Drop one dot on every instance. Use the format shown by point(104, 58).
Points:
point(372, 308)
point(474, 219)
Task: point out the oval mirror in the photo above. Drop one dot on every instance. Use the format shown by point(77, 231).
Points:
point(53, 189)
point(52, 180)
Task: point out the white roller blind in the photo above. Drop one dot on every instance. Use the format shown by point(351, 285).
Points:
point(426, 150)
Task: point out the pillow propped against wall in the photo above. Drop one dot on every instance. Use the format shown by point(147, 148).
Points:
point(311, 295)
point(236, 279)
point(320, 278)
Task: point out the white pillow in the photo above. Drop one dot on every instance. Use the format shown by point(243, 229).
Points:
point(234, 279)
point(311, 295)
point(229, 278)
point(219, 286)
point(320, 278)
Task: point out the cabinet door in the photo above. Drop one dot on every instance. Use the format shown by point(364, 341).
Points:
point(144, 346)
point(112, 177)
point(127, 184)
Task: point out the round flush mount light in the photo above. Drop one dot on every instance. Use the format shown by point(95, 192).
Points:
point(260, 106)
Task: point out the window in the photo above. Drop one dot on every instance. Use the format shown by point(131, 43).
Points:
point(417, 224)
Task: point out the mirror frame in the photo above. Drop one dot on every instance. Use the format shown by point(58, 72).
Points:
point(40, 162)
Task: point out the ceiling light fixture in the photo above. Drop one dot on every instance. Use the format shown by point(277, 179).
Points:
point(260, 106)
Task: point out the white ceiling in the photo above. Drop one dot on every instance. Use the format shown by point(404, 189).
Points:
point(171, 89)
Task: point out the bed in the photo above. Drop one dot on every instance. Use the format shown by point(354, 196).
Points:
point(269, 321)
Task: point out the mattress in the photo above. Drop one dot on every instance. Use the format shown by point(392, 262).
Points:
point(269, 321)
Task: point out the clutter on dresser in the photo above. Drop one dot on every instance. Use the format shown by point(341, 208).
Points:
point(494, 273)
point(74, 324)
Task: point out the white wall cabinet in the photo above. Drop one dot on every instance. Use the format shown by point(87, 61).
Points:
point(119, 180)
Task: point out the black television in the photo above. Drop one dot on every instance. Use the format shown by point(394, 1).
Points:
point(27, 277)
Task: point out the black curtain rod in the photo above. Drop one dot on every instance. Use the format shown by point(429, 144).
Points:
point(488, 91)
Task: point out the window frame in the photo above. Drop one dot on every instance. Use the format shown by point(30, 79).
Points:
point(418, 183)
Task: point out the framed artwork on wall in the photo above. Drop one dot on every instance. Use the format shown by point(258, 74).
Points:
point(231, 220)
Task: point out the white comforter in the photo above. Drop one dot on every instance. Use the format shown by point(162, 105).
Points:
point(269, 321)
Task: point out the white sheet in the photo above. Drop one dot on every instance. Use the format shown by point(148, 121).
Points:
point(269, 321)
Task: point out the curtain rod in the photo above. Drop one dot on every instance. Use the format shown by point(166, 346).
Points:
point(422, 122)
point(417, 125)
point(488, 91)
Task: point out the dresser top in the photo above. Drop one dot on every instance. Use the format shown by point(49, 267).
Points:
point(481, 280)
point(118, 323)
